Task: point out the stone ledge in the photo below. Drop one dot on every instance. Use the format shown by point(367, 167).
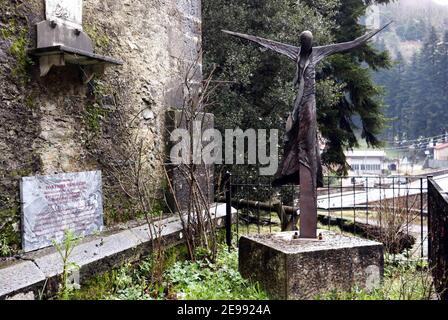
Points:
point(21, 276)
point(94, 255)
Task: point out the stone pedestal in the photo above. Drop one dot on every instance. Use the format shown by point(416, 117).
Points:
point(302, 269)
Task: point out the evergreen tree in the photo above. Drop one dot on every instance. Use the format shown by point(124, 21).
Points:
point(416, 97)
point(393, 81)
point(259, 91)
point(426, 105)
point(411, 80)
point(442, 84)
point(361, 95)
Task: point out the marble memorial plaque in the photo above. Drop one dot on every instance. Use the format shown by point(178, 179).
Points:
point(53, 204)
point(68, 12)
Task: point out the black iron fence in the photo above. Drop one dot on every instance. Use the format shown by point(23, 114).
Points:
point(392, 210)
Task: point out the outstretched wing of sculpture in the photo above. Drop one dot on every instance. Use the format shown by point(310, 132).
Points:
point(290, 51)
point(325, 51)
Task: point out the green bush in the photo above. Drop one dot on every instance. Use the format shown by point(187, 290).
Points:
point(183, 280)
point(204, 280)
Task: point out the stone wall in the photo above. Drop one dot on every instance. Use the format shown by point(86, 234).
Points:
point(57, 124)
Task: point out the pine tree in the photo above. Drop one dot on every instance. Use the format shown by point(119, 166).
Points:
point(442, 83)
point(392, 80)
point(427, 109)
point(361, 95)
point(417, 96)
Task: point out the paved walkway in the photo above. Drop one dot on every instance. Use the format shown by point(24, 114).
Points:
point(414, 229)
point(349, 199)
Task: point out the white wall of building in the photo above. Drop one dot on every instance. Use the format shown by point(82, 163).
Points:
point(365, 162)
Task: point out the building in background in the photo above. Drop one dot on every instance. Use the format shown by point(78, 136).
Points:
point(439, 159)
point(365, 162)
point(441, 152)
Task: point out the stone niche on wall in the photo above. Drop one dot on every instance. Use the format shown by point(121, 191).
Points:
point(61, 41)
point(203, 173)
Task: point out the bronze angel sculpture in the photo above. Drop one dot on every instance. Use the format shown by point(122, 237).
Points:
point(301, 163)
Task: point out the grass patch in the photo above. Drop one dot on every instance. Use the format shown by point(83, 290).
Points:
point(130, 282)
point(221, 280)
point(204, 280)
point(274, 225)
point(405, 280)
point(201, 280)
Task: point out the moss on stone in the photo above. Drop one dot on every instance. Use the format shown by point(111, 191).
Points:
point(119, 209)
point(9, 235)
point(18, 35)
point(92, 117)
point(8, 31)
point(19, 173)
point(95, 111)
point(29, 101)
point(98, 36)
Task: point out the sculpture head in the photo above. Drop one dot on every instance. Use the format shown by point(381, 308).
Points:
point(306, 41)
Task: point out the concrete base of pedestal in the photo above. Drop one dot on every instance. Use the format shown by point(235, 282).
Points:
point(302, 269)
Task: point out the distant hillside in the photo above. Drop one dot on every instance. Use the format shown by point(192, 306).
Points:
point(416, 88)
point(412, 20)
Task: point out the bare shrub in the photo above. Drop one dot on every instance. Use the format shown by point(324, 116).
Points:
point(119, 141)
point(198, 223)
point(396, 219)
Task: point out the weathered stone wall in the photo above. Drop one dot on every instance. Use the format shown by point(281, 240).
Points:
point(58, 124)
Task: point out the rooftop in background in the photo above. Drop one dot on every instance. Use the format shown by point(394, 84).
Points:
point(365, 153)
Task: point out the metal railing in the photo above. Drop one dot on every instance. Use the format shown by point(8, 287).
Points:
point(392, 210)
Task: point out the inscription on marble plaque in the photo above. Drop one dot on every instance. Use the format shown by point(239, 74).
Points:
point(68, 12)
point(53, 204)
